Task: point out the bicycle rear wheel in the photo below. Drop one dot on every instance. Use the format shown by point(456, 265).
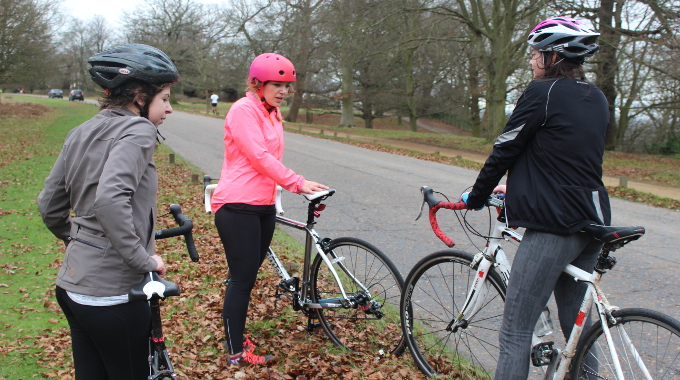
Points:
point(435, 292)
point(655, 337)
point(370, 326)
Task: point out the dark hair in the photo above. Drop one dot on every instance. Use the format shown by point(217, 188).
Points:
point(562, 67)
point(130, 93)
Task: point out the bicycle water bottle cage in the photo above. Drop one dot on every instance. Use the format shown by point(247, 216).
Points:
point(543, 354)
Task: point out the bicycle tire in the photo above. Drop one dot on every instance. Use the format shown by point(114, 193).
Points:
point(368, 330)
point(655, 336)
point(435, 291)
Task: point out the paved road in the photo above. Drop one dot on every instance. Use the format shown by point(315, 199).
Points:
point(378, 198)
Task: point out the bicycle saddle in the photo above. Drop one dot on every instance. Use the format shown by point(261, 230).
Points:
point(153, 284)
point(319, 194)
point(610, 235)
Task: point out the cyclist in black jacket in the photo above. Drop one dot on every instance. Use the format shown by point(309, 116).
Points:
point(551, 149)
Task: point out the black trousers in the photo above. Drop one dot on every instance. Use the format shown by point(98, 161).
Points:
point(109, 342)
point(246, 238)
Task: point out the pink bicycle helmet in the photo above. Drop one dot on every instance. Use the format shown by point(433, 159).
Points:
point(272, 66)
point(567, 36)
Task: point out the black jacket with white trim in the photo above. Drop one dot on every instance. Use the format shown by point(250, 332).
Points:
point(552, 150)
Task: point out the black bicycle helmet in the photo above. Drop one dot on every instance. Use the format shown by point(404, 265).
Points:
point(114, 67)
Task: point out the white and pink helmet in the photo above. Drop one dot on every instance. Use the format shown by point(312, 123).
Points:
point(571, 38)
point(272, 66)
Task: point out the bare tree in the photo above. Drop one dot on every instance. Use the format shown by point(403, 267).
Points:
point(185, 30)
point(26, 28)
point(502, 25)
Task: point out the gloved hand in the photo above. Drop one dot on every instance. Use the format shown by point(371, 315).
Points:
point(464, 199)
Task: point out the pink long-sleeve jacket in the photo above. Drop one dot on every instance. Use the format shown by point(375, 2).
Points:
point(253, 141)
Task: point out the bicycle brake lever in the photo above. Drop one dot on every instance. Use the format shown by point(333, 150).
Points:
point(421, 210)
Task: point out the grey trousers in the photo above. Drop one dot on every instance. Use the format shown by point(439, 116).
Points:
point(536, 272)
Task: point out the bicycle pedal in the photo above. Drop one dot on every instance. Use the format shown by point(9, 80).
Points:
point(543, 354)
point(312, 324)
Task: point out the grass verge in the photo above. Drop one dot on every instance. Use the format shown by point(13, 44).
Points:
point(29, 255)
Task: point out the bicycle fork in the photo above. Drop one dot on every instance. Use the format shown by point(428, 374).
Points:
point(476, 298)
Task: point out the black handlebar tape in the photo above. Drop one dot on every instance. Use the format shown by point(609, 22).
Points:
point(185, 227)
point(206, 181)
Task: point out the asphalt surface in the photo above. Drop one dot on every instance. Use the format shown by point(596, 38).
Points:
point(378, 199)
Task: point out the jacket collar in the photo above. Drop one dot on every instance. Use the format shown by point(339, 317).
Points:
point(253, 97)
point(118, 111)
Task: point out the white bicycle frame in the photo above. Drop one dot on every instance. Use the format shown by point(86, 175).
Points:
point(493, 255)
point(312, 238)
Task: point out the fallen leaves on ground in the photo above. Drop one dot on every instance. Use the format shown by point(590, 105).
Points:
point(193, 325)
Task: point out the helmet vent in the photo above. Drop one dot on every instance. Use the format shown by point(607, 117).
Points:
point(572, 27)
point(542, 37)
point(281, 72)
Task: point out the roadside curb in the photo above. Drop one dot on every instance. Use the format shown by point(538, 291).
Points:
point(658, 190)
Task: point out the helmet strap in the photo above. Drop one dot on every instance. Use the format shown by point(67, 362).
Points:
point(260, 95)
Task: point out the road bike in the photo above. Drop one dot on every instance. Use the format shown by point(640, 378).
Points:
point(155, 289)
point(453, 301)
point(350, 288)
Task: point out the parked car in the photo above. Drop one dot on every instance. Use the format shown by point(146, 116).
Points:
point(76, 95)
point(55, 93)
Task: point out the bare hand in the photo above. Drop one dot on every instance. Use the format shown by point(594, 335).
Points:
point(161, 266)
point(500, 189)
point(310, 187)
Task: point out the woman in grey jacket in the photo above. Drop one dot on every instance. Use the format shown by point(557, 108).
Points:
point(105, 176)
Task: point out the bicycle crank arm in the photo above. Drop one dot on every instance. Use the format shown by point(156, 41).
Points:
point(329, 303)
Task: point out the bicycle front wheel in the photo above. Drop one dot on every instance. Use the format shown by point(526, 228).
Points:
point(435, 292)
point(369, 324)
point(654, 336)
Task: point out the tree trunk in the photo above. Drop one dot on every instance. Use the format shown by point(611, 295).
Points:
point(368, 114)
point(294, 109)
point(347, 101)
point(495, 100)
point(608, 66)
point(473, 105)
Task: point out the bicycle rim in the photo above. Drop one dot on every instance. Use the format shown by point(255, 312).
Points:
point(372, 327)
point(436, 289)
point(655, 337)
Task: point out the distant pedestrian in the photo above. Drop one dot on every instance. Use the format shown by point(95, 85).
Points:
point(213, 99)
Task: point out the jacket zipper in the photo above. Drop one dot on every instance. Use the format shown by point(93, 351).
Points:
point(273, 198)
point(87, 243)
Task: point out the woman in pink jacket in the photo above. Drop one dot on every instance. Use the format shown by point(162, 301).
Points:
point(243, 201)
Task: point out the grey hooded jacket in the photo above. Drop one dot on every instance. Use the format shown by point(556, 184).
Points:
point(106, 176)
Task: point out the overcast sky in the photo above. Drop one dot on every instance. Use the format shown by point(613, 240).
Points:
point(112, 10)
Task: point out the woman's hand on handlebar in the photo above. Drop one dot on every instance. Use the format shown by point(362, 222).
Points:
point(161, 265)
point(500, 189)
point(310, 187)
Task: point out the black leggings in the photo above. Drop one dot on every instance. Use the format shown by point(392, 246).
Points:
point(109, 342)
point(246, 238)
